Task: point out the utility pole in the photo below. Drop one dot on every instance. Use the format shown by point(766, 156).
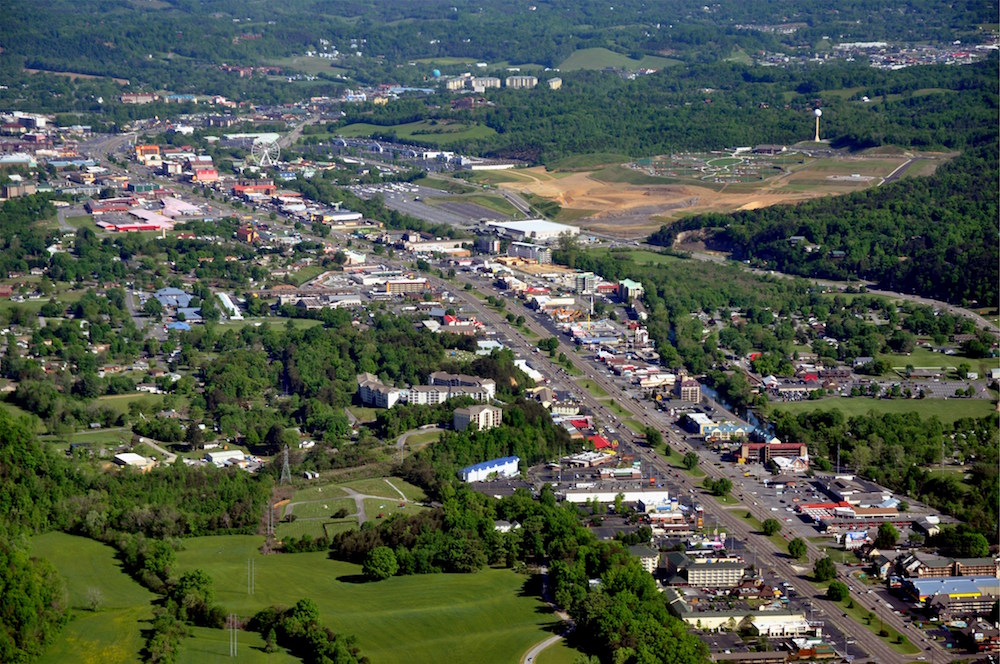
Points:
point(251, 575)
point(286, 472)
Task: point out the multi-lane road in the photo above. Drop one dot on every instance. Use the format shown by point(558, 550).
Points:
point(854, 639)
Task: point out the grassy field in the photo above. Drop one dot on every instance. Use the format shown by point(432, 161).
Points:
point(422, 132)
point(298, 323)
point(559, 652)
point(946, 410)
point(212, 645)
point(110, 634)
point(381, 487)
point(593, 388)
point(588, 162)
point(120, 402)
point(496, 204)
point(307, 273)
point(451, 185)
point(308, 65)
point(599, 58)
point(487, 616)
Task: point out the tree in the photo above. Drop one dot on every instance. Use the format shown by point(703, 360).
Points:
point(380, 564)
point(838, 591)
point(887, 536)
point(271, 641)
point(153, 308)
point(824, 569)
point(771, 527)
point(797, 548)
point(690, 460)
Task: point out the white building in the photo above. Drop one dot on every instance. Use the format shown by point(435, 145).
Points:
point(132, 460)
point(505, 467)
point(223, 457)
point(463, 380)
point(374, 393)
point(539, 230)
point(481, 417)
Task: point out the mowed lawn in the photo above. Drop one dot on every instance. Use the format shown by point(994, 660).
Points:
point(487, 616)
point(946, 410)
point(112, 633)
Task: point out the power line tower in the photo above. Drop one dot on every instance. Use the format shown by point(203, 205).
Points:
point(232, 634)
point(286, 471)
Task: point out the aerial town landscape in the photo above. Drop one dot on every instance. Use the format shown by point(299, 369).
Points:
point(553, 333)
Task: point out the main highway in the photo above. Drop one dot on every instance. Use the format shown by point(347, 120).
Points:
point(769, 557)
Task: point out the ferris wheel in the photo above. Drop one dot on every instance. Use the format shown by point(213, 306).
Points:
point(265, 152)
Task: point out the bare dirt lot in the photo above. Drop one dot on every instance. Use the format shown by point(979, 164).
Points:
point(635, 205)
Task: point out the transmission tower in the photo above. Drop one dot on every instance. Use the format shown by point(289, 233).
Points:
point(286, 472)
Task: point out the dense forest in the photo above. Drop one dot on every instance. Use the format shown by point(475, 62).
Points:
point(170, 44)
point(934, 236)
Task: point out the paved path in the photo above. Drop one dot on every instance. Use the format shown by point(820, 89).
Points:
point(401, 441)
point(169, 457)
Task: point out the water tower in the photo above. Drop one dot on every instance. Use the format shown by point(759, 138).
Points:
point(818, 113)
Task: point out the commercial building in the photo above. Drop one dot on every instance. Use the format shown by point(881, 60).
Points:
point(629, 290)
point(705, 573)
point(764, 452)
point(532, 252)
point(505, 467)
point(132, 460)
point(955, 597)
point(480, 417)
point(688, 389)
point(402, 286)
point(538, 230)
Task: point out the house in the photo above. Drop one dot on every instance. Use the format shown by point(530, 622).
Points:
point(481, 417)
point(505, 467)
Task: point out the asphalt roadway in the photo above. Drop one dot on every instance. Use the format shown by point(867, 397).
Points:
point(866, 644)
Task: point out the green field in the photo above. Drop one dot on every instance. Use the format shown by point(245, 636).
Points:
point(422, 132)
point(488, 616)
point(593, 388)
point(559, 652)
point(599, 58)
point(496, 204)
point(946, 410)
point(112, 633)
point(212, 645)
point(382, 487)
point(586, 162)
point(307, 273)
point(451, 185)
point(120, 402)
point(308, 65)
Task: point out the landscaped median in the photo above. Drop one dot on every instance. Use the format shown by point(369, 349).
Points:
point(870, 619)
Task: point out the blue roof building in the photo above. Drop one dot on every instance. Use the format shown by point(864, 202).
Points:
point(178, 325)
point(173, 297)
point(505, 467)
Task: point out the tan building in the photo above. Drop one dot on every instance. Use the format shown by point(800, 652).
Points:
point(715, 574)
point(480, 417)
point(521, 82)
